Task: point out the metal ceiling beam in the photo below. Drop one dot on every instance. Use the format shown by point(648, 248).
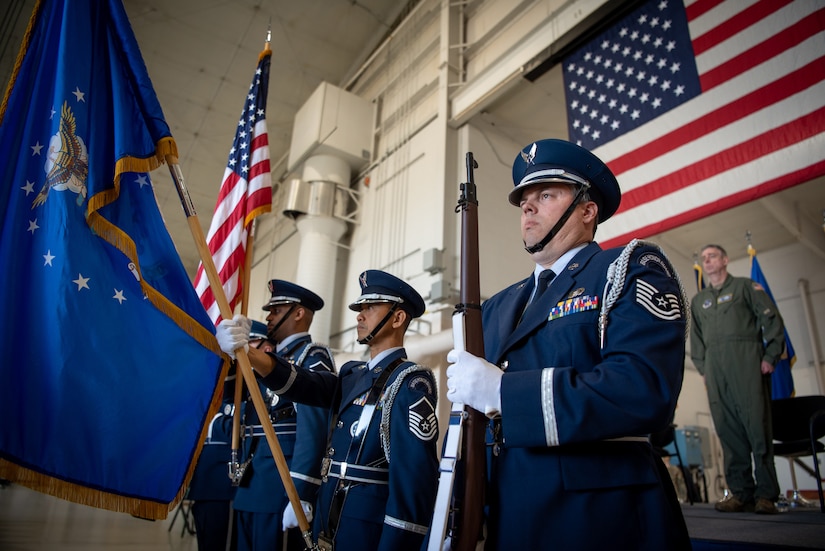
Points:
point(564, 20)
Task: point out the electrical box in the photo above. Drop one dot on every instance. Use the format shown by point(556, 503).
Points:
point(694, 445)
point(332, 122)
point(432, 261)
point(440, 291)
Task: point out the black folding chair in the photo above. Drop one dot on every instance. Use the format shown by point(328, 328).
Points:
point(798, 424)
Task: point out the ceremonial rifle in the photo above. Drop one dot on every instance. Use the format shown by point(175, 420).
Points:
point(460, 499)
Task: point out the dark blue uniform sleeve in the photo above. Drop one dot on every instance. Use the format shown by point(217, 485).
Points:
point(311, 437)
point(313, 388)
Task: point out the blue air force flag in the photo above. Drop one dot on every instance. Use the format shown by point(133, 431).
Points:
point(109, 367)
point(782, 378)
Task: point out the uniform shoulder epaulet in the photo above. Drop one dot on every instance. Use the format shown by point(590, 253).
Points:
point(423, 381)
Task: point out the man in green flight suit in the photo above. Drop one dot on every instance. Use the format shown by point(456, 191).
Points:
point(736, 338)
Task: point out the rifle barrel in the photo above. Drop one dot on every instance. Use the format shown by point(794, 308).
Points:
point(468, 526)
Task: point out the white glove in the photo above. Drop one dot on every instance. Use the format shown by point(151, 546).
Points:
point(290, 520)
point(474, 382)
point(233, 334)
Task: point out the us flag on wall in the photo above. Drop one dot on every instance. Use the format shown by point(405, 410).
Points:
point(700, 106)
point(246, 192)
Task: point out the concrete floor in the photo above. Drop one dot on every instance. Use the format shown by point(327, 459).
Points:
point(31, 521)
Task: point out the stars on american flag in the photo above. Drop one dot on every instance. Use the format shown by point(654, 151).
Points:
point(637, 70)
point(245, 192)
point(251, 113)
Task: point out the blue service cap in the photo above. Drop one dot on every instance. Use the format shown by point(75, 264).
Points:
point(560, 161)
point(378, 286)
point(257, 331)
point(285, 292)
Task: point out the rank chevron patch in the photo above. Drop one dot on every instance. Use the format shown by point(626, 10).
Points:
point(423, 423)
point(661, 305)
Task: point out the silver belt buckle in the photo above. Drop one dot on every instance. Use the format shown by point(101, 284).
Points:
point(326, 463)
point(324, 543)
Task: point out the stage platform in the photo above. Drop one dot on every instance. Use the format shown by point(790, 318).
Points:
point(795, 529)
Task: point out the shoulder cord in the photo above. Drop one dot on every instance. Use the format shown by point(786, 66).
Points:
point(389, 399)
point(616, 275)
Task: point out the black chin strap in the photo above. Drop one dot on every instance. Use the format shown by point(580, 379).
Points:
point(555, 229)
point(262, 341)
point(270, 335)
point(378, 327)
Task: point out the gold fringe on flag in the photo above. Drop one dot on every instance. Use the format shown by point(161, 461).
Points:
point(84, 495)
point(48, 484)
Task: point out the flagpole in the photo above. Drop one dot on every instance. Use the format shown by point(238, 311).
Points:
point(235, 449)
point(239, 382)
point(246, 275)
point(247, 268)
point(242, 359)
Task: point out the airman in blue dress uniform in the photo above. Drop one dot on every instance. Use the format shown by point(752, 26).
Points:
point(380, 472)
point(211, 489)
point(261, 501)
point(578, 371)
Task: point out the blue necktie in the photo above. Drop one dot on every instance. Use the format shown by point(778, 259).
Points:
point(543, 283)
point(545, 278)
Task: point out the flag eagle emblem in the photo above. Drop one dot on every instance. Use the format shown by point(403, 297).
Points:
point(67, 161)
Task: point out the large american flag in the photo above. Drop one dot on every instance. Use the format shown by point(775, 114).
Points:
point(702, 106)
point(246, 192)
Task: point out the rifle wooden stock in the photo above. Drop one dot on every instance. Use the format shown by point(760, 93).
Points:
point(468, 500)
